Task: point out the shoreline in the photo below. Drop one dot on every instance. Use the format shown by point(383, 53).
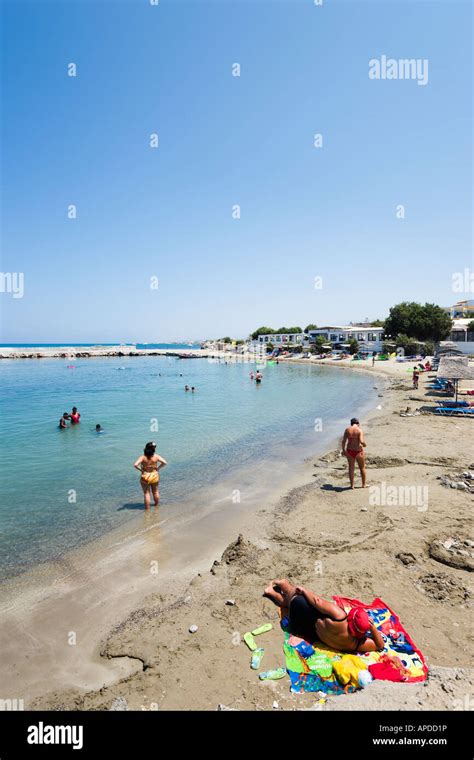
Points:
point(141, 637)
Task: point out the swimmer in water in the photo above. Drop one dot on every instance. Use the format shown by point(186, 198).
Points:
point(193, 389)
point(75, 416)
point(98, 429)
point(63, 421)
point(150, 465)
point(251, 376)
point(187, 388)
point(258, 377)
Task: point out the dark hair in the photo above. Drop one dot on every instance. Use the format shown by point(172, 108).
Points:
point(149, 449)
point(354, 421)
point(74, 408)
point(97, 426)
point(66, 414)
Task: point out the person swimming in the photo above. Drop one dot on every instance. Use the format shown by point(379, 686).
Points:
point(63, 421)
point(75, 416)
point(150, 465)
point(258, 377)
point(353, 444)
point(311, 617)
point(99, 429)
point(187, 388)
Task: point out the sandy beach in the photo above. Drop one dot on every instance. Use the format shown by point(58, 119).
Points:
point(316, 532)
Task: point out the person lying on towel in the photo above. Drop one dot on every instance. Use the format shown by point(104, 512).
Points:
point(311, 617)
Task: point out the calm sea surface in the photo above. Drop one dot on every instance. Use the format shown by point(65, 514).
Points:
point(61, 488)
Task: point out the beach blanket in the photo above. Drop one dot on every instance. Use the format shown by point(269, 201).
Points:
point(400, 660)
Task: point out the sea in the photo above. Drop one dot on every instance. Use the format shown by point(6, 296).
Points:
point(63, 488)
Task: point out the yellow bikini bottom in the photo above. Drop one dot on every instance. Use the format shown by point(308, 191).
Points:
point(151, 478)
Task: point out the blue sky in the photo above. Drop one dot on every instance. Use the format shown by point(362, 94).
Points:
point(224, 140)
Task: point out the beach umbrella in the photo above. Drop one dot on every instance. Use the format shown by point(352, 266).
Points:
point(455, 368)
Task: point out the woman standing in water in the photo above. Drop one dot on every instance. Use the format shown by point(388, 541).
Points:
point(150, 465)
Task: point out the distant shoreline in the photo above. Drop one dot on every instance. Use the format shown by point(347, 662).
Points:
point(86, 352)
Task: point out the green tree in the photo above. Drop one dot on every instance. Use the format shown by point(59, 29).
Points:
point(288, 330)
point(409, 344)
point(428, 322)
point(262, 331)
point(320, 340)
point(378, 323)
point(353, 346)
point(310, 327)
point(270, 347)
point(470, 326)
point(226, 339)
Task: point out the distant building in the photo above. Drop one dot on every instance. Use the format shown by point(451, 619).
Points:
point(461, 336)
point(281, 339)
point(368, 337)
point(461, 309)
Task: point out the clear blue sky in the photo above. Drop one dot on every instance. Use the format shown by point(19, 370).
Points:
point(224, 140)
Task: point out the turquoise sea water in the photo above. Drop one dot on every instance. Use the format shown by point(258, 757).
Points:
point(61, 488)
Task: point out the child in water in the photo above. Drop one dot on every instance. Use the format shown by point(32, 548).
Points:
point(63, 421)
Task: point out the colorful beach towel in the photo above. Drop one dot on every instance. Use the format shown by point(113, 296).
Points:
point(400, 660)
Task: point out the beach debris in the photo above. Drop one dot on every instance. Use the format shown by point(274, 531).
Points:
point(256, 658)
point(462, 481)
point(250, 641)
point(455, 552)
point(443, 588)
point(230, 602)
point(407, 558)
point(364, 509)
point(379, 407)
point(224, 708)
point(272, 675)
point(262, 629)
point(275, 705)
point(192, 628)
point(119, 704)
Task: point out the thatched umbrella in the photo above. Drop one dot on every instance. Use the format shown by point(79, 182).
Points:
point(455, 368)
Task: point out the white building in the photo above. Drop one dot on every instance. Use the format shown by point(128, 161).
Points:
point(461, 309)
point(369, 338)
point(280, 340)
point(460, 335)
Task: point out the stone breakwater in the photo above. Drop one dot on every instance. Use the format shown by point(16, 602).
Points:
point(71, 353)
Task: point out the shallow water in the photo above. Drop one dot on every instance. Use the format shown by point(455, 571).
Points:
point(63, 488)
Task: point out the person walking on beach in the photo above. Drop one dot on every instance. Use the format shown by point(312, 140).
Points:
point(353, 444)
point(150, 465)
point(416, 377)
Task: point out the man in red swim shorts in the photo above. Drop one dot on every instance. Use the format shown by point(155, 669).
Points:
point(353, 444)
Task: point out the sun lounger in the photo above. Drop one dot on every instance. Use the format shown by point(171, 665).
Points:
point(449, 412)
